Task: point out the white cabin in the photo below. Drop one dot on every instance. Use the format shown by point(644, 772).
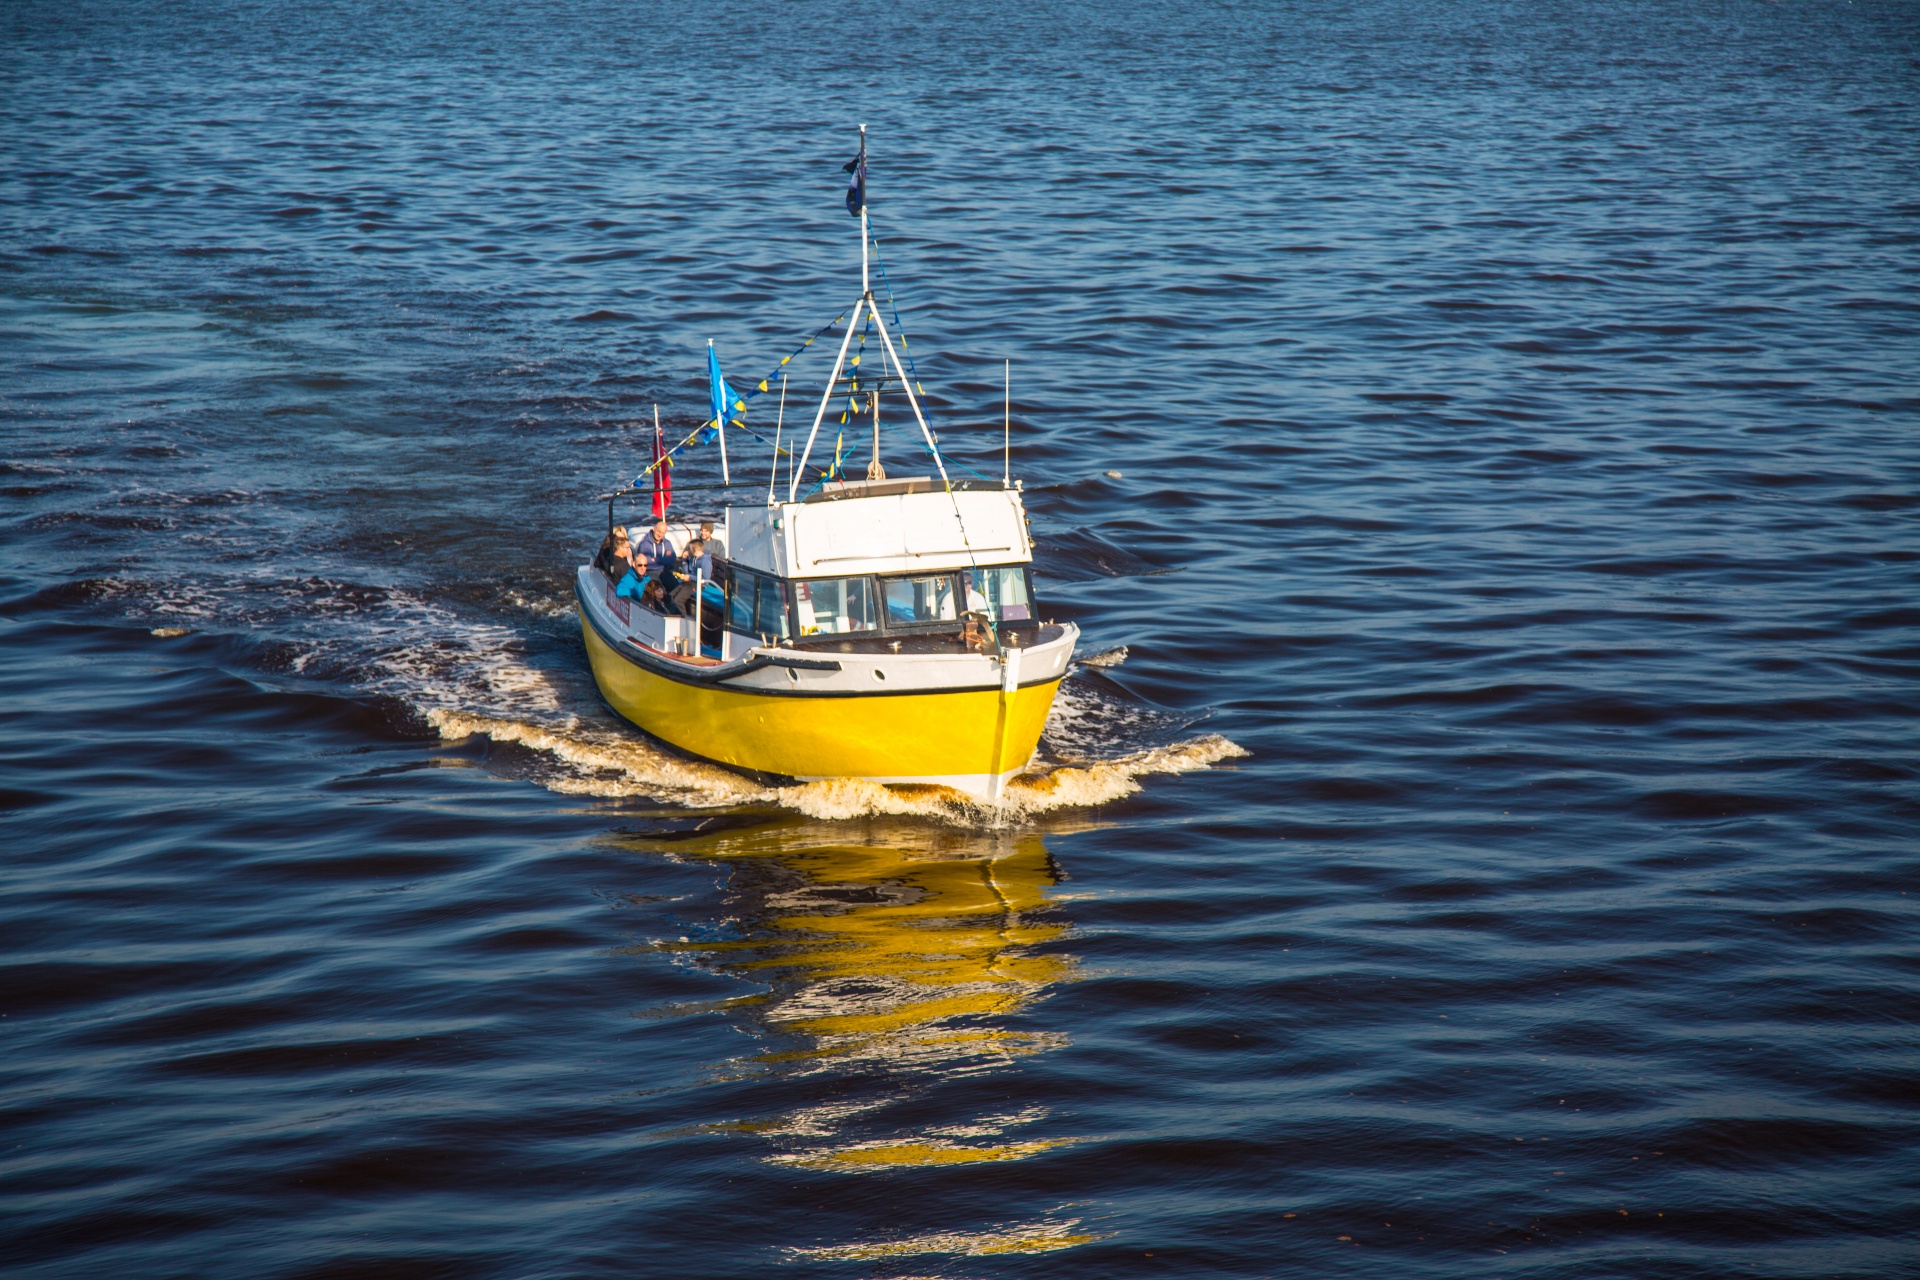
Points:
point(881, 526)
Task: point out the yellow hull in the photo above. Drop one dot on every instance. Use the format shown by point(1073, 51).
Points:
point(952, 739)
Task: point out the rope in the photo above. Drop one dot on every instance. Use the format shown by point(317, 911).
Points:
point(934, 449)
point(900, 327)
point(739, 405)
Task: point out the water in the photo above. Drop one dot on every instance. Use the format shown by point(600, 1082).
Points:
point(1513, 415)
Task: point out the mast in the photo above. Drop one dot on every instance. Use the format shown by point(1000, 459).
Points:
point(859, 167)
point(872, 309)
point(826, 397)
point(866, 290)
point(886, 339)
point(874, 470)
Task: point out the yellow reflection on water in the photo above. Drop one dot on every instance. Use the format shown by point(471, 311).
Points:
point(1035, 1237)
point(910, 947)
point(898, 955)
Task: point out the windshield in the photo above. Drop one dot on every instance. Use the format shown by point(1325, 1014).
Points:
point(918, 600)
point(1001, 594)
point(835, 606)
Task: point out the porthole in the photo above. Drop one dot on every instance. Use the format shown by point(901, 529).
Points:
point(878, 674)
point(793, 676)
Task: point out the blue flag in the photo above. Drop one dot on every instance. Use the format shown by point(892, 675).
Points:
point(857, 187)
point(722, 395)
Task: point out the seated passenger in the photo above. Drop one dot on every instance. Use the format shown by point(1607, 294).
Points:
point(632, 586)
point(697, 562)
point(695, 566)
point(654, 551)
point(614, 550)
point(715, 548)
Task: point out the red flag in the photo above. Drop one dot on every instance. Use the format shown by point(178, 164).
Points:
point(662, 474)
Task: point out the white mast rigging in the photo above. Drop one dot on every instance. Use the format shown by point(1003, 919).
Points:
point(872, 309)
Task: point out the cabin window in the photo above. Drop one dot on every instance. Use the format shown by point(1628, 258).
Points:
point(1001, 594)
point(835, 606)
point(757, 605)
point(770, 608)
point(740, 602)
point(915, 601)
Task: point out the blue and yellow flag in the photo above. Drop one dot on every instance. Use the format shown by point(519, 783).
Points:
point(724, 400)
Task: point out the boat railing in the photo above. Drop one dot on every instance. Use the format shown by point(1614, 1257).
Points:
point(646, 492)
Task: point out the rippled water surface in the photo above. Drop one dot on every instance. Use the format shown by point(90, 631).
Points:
point(1497, 421)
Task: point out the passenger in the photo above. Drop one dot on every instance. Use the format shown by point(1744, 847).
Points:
point(631, 585)
point(698, 561)
point(715, 548)
point(654, 551)
point(694, 567)
point(614, 549)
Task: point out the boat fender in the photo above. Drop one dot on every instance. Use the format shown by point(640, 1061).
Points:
point(799, 664)
point(756, 661)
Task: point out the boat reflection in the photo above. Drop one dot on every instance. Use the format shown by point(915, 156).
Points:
point(902, 955)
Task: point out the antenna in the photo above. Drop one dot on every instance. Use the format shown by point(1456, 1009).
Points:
point(1006, 430)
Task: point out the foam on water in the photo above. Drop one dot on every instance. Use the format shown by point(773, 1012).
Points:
point(467, 675)
point(596, 762)
point(591, 760)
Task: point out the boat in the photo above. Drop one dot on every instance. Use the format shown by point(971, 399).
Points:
point(872, 627)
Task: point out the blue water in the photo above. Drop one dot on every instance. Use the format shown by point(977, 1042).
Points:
point(1495, 420)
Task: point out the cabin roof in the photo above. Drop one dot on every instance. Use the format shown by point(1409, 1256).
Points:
point(889, 526)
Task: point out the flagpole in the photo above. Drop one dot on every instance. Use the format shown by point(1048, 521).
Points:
point(773, 474)
point(659, 465)
point(1006, 431)
point(866, 289)
point(720, 417)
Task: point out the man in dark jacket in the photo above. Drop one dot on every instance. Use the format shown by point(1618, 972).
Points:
point(654, 551)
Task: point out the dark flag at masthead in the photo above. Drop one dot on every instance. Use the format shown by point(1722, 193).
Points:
point(857, 188)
